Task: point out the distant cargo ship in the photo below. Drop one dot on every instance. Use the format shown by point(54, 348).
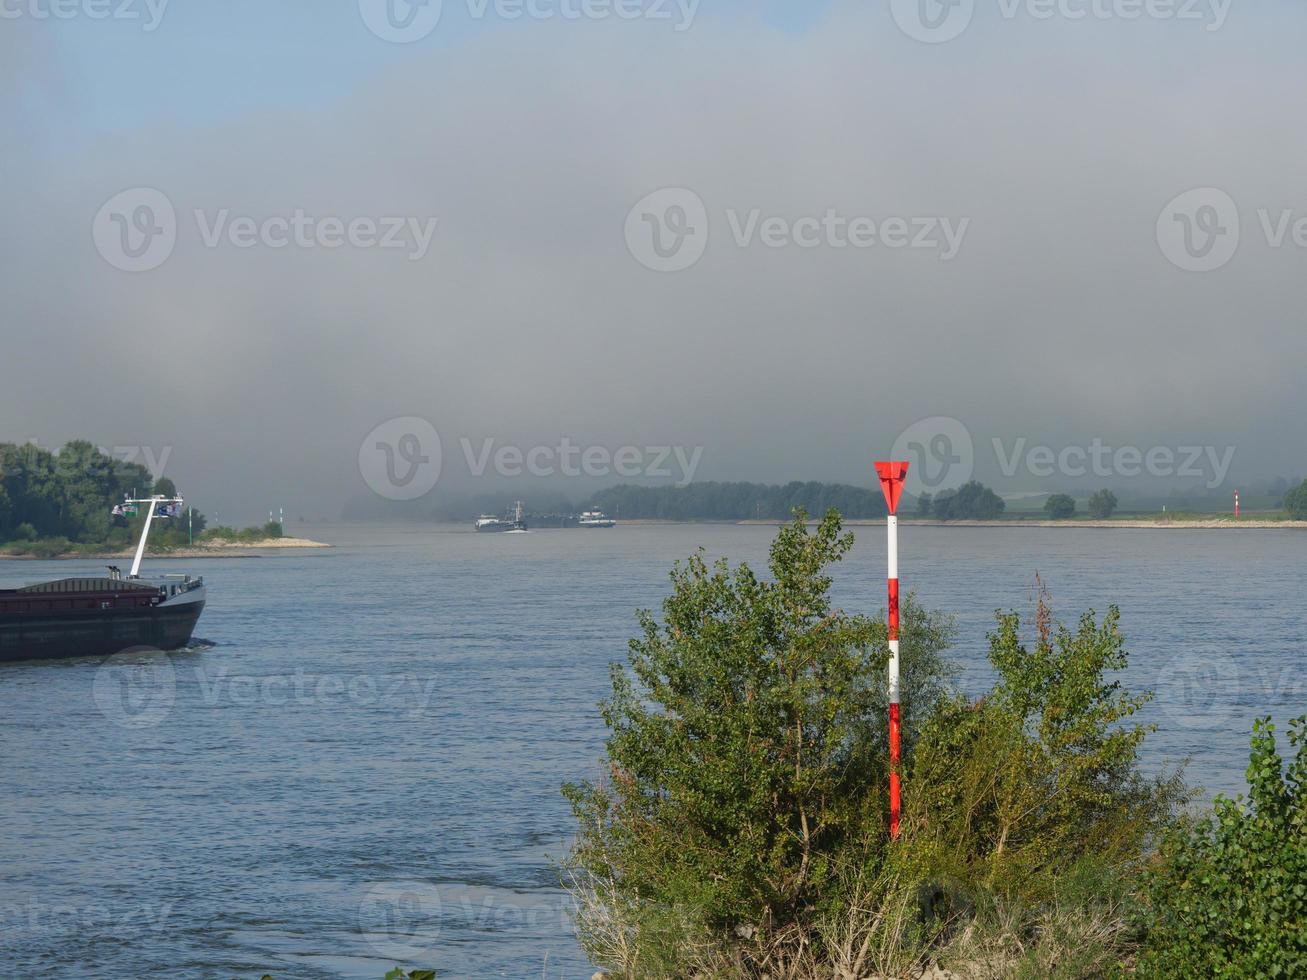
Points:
point(595, 518)
point(488, 523)
point(87, 617)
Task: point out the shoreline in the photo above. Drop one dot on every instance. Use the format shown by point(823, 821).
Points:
point(1148, 524)
point(216, 549)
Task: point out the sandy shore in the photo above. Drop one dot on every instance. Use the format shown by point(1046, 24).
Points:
point(1205, 524)
point(212, 549)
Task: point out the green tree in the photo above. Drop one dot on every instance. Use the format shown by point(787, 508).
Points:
point(972, 501)
point(1041, 775)
point(1295, 502)
point(746, 749)
point(32, 483)
point(89, 482)
point(164, 487)
point(1060, 506)
point(1229, 896)
point(923, 505)
point(6, 512)
point(1102, 504)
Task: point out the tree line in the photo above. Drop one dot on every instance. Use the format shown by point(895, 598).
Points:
point(738, 501)
point(69, 496)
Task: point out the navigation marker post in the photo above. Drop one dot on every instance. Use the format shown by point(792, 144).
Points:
point(892, 476)
point(1236, 505)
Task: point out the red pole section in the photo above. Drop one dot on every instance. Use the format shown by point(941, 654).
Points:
point(1236, 505)
point(892, 476)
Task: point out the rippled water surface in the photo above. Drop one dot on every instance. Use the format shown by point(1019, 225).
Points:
point(363, 768)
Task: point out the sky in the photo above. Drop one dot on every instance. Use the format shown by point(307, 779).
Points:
point(296, 253)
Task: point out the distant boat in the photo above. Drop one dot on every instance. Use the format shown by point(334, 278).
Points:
point(595, 518)
point(89, 617)
point(488, 523)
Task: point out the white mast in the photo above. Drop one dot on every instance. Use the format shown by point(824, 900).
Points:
point(145, 531)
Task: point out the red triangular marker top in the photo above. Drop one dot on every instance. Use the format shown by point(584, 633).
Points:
point(892, 476)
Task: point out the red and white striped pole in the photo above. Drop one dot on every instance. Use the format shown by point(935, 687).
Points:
point(892, 476)
point(1236, 505)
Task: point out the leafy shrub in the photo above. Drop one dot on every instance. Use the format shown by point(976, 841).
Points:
point(1229, 896)
point(1060, 506)
point(1295, 502)
point(972, 501)
point(1102, 504)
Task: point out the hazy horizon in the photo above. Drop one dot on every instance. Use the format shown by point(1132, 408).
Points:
point(1052, 232)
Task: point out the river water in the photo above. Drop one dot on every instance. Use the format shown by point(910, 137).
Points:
point(360, 766)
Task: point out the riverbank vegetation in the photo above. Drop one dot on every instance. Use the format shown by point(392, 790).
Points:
point(739, 828)
point(61, 504)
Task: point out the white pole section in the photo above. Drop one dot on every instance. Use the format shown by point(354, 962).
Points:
point(145, 533)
